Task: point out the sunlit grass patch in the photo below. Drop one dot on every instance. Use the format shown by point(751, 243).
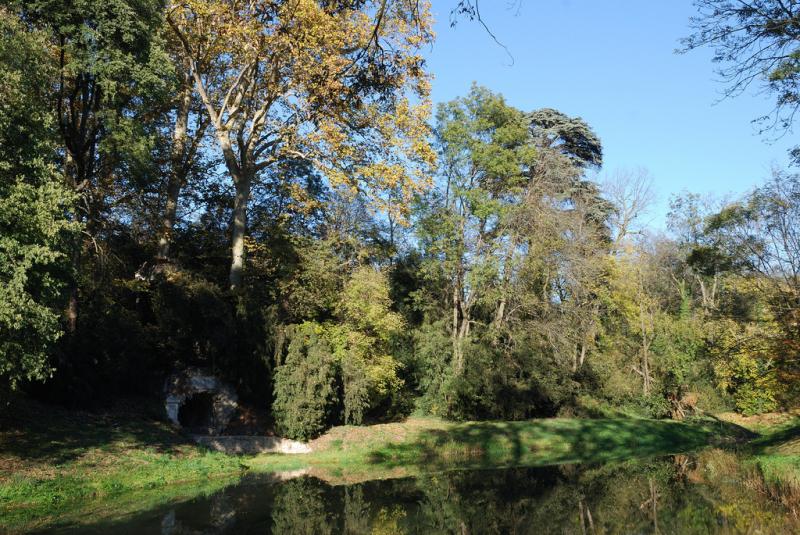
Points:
point(424, 444)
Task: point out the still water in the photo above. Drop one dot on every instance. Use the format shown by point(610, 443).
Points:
point(709, 492)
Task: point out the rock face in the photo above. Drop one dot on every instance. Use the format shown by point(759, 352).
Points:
point(183, 390)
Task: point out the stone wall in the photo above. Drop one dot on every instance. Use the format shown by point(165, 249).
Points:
point(181, 386)
point(252, 445)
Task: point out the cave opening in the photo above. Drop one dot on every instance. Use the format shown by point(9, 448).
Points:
point(196, 415)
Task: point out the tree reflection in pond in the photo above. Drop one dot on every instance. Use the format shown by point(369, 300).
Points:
point(706, 493)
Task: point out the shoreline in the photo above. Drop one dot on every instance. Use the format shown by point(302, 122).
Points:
point(106, 465)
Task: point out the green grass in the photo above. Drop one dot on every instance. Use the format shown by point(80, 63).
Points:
point(776, 454)
point(71, 505)
point(54, 461)
point(59, 466)
point(348, 454)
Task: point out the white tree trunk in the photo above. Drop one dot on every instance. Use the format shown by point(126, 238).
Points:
point(242, 183)
point(177, 176)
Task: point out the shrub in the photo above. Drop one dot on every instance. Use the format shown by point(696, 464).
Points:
point(745, 365)
point(306, 384)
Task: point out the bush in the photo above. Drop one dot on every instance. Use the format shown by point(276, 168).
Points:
point(753, 399)
point(654, 406)
point(362, 343)
point(744, 357)
point(497, 382)
point(429, 361)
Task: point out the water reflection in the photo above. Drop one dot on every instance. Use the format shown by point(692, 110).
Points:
point(707, 493)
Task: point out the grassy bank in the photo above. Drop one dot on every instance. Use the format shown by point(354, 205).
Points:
point(775, 454)
point(347, 454)
point(53, 461)
point(61, 465)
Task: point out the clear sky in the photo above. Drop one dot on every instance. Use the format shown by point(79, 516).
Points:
point(613, 63)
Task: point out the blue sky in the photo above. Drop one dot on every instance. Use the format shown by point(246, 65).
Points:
point(612, 62)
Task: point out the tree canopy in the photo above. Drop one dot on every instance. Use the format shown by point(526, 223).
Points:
point(264, 190)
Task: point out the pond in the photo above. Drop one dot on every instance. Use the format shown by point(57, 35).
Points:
point(709, 492)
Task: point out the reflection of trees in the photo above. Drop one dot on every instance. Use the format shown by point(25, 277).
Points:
point(585, 515)
point(222, 519)
point(356, 511)
point(706, 493)
point(223, 512)
point(302, 507)
point(441, 510)
point(651, 504)
point(488, 501)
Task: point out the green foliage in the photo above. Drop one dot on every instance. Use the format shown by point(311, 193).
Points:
point(496, 383)
point(362, 343)
point(306, 383)
point(354, 353)
point(678, 346)
point(652, 406)
point(365, 305)
point(35, 218)
point(744, 360)
point(108, 41)
point(311, 289)
point(33, 231)
point(432, 347)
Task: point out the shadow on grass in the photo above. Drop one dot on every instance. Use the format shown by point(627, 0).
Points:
point(556, 441)
point(778, 439)
point(35, 432)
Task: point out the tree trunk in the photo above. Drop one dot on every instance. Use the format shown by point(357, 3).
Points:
point(499, 315)
point(178, 168)
point(242, 173)
point(646, 368)
point(242, 183)
point(461, 333)
point(71, 311)
point(579, 356)
point(645, 353)
point(458, 360)
point(654, 505)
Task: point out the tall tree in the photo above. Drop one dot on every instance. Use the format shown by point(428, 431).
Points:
point(513, 220)
point(188, 124)
point(485, 158)
point(103, 50)
point(761, 236)
point(34, 207)
point(328, 82)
